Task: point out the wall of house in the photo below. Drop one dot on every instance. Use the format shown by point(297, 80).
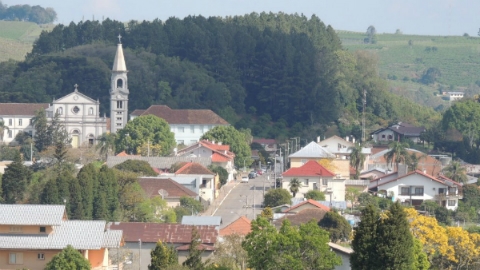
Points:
point(189, 134)
point(304, 188)
point(430, 190)
point(342, 167)
point(29, 259)
point(24, 229)
point(16, 124)
point(386, 135)
point(298, 162)
point(98, 258)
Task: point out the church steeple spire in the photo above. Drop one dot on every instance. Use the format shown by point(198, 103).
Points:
point(119, 61)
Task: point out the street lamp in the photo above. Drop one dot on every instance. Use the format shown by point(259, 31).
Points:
point(128, 145)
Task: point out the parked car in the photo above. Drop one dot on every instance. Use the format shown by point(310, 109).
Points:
point(251, 175)
point(259, 172)
point(254, 174)
point(244, 179)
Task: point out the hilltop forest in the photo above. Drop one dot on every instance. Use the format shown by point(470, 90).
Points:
point(36, 14)
point(277, 74)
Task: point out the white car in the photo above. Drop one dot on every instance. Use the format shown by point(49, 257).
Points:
point(245, 179)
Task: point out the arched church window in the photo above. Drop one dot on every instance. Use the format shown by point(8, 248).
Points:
point(90, 111)
point(75, 109)
point(119, 83)
point(60, 111)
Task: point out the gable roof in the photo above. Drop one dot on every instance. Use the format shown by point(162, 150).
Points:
point(302, 217)
point(220, 152)
point(31, 214)
point(174, 116)
point(331, 138)
point(312, 150)
point(81, 234)
point(402, 128)
point(159, 162)
point(193, 168)
point(202, 220)
point(137, 112)
point(311, 168)
point(310, 202)
point(151, 186)
point(444, 181)
point(241, 226)
point(21, 108)
point(171, 233)
point(75, 93)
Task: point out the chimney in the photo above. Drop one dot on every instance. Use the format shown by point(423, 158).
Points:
point(353, 139)
point(213, 141)
point(219, 143)
point(346, 138)
point(318, 139)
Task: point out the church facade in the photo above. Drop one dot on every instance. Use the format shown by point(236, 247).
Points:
point(79, 113)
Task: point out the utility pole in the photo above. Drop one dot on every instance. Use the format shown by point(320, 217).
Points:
point(31, 152)
point(148, 148)
point(364, 103)
point(253, 202)
point(140, 253)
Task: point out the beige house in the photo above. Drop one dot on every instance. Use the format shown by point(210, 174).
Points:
point(166, 188)
point(30, 235)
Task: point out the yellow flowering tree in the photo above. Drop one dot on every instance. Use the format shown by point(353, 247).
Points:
point(465, 246)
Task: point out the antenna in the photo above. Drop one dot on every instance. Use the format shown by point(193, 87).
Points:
point(163, 193)
point(364, 104)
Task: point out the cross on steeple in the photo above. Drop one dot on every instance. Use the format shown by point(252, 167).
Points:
point(119, 39)
point(76, 86)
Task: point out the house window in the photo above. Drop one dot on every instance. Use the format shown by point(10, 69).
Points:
point(75, 109)
point(119, 112)
point(90, 111)
point(442, 190)
point(404, 191)
point(315, 187)
point(41, 256)
point(119, 118)
point(452, 191)
point(181, 129)
point(303, 161)
point(119, 124)
point(10, 134)
point(419, 191)
point(43, 229)
point(324, 182)
point(180, 142)
point(10, 122)
point(192, 129)
point(20, 122)
point(390, 137)
point(452, 202)
point(60, 111)
point(204, 183)
point(15, 229)
point(305, 183)
point(119, 83)
point(119, 104)
point(15, 258)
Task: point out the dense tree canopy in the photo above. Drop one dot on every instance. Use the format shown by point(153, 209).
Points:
point(237, 140)
point(69, 258)
point(36, 14)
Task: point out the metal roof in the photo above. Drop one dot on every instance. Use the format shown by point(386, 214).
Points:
point(31, 214)
point(202, 220)
point(159, 162)
point(312, 150)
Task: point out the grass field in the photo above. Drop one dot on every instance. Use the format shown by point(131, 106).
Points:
point(402, 58)
point(16, 38)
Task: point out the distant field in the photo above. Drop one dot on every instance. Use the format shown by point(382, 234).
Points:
point(16, 38)
point(402, 58)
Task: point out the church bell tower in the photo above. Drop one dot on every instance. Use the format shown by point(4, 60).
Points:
point(119, 91)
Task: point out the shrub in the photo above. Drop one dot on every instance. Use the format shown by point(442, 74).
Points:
point(276, 197)
point(136, 166)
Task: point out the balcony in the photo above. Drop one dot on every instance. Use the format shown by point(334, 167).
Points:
point(357, 182)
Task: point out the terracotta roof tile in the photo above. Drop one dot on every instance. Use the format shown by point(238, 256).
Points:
point(217, 157)
point(193, 168)
point(21, 108)
point(166, 232)
point(214, 146)
point(151, 186)
point(311, 202)
point(137, 112)
point(302, 217)
point(311, 168)
point(173, 116)
point(241, 226)
point(200, 247)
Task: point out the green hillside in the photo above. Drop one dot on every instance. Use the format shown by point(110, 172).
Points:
point(16, 38)
point(403, 59)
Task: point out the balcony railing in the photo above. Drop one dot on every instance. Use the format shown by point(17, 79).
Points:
point(357, 182)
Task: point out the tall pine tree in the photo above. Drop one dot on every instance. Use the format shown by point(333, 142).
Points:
point(395, 242)
point(86, 178)
point(364, 243)
point(194, 259)
point(162, 256)
point(75, 202)
point(15, 180)
point(50, 193)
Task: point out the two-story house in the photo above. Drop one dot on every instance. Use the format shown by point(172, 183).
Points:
point(218, 152)
point(398, 132)
point(188, 125)
point(17, 117)
point(314, 176)
point(30, 235)
point(415, 187)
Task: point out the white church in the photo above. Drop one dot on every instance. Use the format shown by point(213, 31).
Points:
point(79, 113)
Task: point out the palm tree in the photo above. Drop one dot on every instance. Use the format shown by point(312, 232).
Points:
point(357, 158)
point(397, 153)
point(413, 160)
point(3, 127)
point(106, 144)
point(456, 172)
point(294, 186)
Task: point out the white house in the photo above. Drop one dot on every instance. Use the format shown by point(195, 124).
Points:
point(415, 187)
point(314, 176)
point(188, 125)
point(218, 152)
point(17, 117)
point(452, 96)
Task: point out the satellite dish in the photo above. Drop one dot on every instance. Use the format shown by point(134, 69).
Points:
point(163, 193)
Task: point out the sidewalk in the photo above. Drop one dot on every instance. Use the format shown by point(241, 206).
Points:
point(222, 194)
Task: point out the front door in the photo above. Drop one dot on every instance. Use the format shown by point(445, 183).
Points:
point(75, 141)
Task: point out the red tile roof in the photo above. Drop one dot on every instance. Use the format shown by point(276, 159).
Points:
point(151, 186)
point(21, 108)
point(302, 217)
point(416, 172)
point(193, 168)
point(241, 226)
point(311, 202)
point(217, 157)
point(311, 168)
point(173, 116)
point(200, 247)
point(166, 232)
point(137, 112)
point(214, 146)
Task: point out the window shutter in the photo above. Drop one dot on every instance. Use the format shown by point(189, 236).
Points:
point(19, 258)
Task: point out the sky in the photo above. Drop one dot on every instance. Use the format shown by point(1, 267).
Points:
point(417, 17)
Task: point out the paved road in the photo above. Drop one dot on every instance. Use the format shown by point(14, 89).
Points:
point(243, 200)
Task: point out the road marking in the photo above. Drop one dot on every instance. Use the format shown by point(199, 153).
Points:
point(228, 193)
